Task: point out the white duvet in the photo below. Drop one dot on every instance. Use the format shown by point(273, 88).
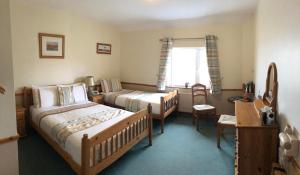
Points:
point(73, 142)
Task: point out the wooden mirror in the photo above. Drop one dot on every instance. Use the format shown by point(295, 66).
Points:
point(270, 95)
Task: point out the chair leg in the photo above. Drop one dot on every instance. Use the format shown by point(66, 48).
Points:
point(216, 118)
point(197, 123)
point(193, 116)
point(193, 120)
point(219, 129)
point(162, 123)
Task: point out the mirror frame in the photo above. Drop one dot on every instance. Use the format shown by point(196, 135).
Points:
point(271, 101)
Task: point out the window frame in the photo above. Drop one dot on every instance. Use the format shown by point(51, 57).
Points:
point(197, 71)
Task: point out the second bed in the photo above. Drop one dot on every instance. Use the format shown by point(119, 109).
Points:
point(163, 104)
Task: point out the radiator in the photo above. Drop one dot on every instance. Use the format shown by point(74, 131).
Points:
point(185, 102)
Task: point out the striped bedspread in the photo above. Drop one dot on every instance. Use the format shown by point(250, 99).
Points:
point(133, 100)
point(133, 103)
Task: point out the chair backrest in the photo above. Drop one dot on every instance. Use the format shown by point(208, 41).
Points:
point(199, 90)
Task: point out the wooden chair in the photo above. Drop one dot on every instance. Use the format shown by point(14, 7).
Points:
point(225, 121)
point(201, 109)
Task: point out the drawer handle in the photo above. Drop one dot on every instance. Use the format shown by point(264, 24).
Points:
point(259, 169)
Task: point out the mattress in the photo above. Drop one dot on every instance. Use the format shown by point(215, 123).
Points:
point(72, 144)
point(151, 97)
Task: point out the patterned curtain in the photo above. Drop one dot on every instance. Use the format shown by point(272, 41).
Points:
point(164, 65)
point(213, 63)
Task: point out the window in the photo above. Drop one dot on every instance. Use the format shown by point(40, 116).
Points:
point(188, 64)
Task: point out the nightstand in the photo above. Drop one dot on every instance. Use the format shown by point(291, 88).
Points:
point(21, 121)
point(97, 98)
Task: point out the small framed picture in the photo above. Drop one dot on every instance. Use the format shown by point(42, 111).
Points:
point(51, 46)
point(103, 48)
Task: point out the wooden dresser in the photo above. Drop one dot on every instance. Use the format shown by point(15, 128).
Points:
point(256, 145)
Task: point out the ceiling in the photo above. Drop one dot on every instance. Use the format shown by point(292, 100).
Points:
point(143, 14)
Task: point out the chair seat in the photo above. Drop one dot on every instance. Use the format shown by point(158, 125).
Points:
point(227, 119)
point(203, 107)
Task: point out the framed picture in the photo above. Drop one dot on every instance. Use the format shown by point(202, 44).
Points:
point(103, 48)
point(51, 46)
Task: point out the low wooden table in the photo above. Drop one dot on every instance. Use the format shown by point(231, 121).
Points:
point(97, 98)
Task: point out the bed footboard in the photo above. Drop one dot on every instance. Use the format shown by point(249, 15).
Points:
point(168, 104)
point(103, 149)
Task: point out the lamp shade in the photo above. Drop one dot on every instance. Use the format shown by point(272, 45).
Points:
point(89, 80)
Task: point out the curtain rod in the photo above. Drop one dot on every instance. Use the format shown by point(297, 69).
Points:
point(173, 39)
point(202, 38)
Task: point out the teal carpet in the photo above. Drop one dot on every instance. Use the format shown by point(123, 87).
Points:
point(180, 150)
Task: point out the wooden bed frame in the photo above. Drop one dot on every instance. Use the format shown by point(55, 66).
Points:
point(122, 136)
point(168, 104)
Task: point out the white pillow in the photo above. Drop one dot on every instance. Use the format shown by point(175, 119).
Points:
point(79, 92)
point(66, 96)
point(106, 86)
point(116, 85)
point(45, 96)
point(36, 96)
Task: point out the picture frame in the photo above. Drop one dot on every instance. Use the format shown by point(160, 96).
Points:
point(51, 46)
point(103, 48)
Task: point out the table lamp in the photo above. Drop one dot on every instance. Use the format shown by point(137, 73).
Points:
point(90, 82)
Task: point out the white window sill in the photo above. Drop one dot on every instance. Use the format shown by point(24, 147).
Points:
point(179, 87)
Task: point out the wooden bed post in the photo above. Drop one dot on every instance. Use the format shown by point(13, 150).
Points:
point(27, 101)
point(150, 124)
point(162, 116)
point(177, 101)
point(85, 155)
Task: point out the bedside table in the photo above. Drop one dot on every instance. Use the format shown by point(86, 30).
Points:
point(21, 121)
point(97, 98)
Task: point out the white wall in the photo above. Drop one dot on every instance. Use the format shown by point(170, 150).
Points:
point(278, 40)
point(140, 51)
point(248, 50)
point(81, 36)
point(8, 151)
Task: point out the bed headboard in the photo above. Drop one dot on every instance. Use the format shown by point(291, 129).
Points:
point(27, 98)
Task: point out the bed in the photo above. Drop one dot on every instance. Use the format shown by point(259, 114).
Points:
point(163, 104)
point(89, 136)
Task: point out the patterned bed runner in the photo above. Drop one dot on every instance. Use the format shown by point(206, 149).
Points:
point(61, 110)
point(63, 130)
point(71, 124)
